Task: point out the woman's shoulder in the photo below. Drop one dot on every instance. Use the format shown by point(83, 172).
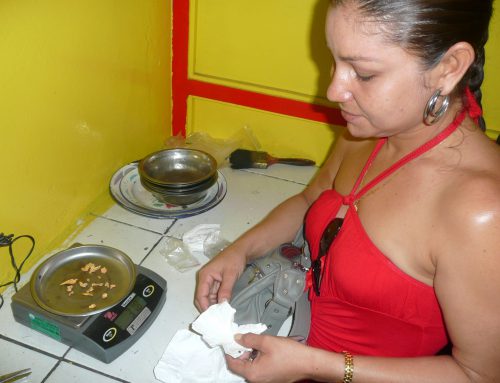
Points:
point(472, 193)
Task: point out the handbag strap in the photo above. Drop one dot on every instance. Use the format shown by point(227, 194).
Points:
point(289, 283)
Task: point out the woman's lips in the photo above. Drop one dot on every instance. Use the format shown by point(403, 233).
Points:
point(349, 117)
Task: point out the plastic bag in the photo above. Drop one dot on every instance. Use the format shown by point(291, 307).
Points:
point(178, 255)
point(219, 148)
point(205, 239)
point(214, 244)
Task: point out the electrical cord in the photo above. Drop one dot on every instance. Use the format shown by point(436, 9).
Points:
point(8, 241)
point(5, 240)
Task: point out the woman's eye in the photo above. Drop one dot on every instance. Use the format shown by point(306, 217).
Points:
point(364, 78)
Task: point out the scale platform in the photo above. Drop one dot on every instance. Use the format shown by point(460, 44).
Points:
point(105, 335)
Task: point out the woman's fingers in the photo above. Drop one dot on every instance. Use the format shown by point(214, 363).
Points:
point(206, 292)
point(225, 289)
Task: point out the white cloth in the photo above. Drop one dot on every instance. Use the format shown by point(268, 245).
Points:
point(216, 326)
point(191, 358)
point(188, 359)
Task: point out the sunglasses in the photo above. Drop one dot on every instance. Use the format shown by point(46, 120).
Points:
point(325, 242)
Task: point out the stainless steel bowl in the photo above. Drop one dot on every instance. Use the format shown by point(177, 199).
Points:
point(178, 167)
point(204, 185)
point(180, 196)
point(180, 199)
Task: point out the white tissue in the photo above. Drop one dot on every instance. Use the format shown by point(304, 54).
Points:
point(217, 328)
point(188, 359)
point(196, 237)
point(191, 358)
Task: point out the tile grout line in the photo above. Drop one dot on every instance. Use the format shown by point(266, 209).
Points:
point(16, 342)
point(273, 177)
point(58, 359)
point(162, 235)
point(51, 371)
point(21, 344)
point(128, 224)
point(91, 369)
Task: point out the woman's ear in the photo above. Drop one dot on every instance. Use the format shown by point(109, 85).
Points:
point(452, 67)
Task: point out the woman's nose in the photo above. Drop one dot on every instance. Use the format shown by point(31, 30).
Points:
point(338, 90)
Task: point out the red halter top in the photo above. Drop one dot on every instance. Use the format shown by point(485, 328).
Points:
point(367, 305)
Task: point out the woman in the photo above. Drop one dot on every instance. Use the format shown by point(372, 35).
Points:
point(402, 219)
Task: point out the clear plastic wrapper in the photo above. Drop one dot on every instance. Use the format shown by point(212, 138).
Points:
point(214, 243)
point(219, 148)
point(177, 255)
point(205, 239)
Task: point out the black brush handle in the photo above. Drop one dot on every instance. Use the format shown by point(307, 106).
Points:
point(294, 161)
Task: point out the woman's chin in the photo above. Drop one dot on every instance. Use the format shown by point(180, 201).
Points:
point(363, 131)
point(358, 131)
point(356, 125)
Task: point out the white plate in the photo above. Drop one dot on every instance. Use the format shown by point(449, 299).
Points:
point(127, 190)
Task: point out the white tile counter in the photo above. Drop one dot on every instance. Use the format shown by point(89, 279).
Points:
point(251, 194)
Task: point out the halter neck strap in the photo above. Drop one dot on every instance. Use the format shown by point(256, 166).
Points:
point(354, 195)
point(472, 106)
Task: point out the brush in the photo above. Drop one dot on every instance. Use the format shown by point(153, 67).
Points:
point(243, 159)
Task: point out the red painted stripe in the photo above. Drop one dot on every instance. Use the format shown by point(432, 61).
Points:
point(180, 44)
point(269, 103)
point(182, 87)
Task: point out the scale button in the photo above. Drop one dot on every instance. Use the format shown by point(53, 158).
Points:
point(110, 315)
point(109, 334)
point(148, 290)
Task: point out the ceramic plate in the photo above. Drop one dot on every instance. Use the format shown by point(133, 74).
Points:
point(126, 189)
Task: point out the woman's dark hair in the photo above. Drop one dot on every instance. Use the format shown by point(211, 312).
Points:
point(428, 28)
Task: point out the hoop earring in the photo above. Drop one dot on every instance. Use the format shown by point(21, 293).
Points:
point(432, 116)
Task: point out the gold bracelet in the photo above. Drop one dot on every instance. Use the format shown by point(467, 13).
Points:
point(349, 367)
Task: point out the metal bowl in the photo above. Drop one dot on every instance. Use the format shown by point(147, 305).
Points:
point(179, 196)
point(179, 199)
point(204, 185)
point(177, 168)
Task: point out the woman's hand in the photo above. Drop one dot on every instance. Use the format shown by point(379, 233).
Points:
point(277, 359)
point(216, 279)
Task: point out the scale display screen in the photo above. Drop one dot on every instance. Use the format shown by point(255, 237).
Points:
point(130, 313)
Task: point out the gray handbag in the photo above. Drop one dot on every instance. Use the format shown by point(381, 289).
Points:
point(271, 289)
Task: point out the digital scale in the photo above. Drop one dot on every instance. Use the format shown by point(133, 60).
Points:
point(105, 334)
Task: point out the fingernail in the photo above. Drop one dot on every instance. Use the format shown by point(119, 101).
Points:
point(237, 337)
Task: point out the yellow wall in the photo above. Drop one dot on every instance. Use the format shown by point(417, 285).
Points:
point(84, 88)
point(278, 48)
point(491, 85)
